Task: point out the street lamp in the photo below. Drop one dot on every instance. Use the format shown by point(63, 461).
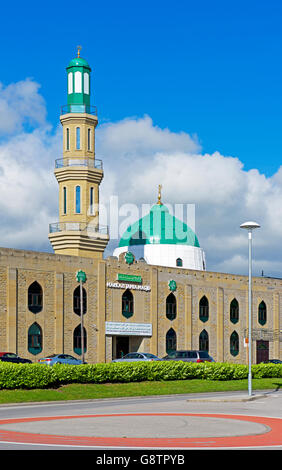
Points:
point(250, 226)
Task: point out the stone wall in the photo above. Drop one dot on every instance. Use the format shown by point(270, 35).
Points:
point(56, 275)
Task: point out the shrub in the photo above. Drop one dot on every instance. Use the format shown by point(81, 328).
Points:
point(24, 376)
point(30, 376)
point(260, 371)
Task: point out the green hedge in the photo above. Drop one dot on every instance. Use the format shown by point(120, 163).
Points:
point(31, 376)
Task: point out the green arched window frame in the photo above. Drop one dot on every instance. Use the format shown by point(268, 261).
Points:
point(204, 309)
point(204, 341)
point(262, 313)
point(35, 297)
point(35, 339)
point(127, 302)
point(77, 340)
point(234, 344)
point(76, 300)
point(234, 311)
point(171, 307)
point(171, 341)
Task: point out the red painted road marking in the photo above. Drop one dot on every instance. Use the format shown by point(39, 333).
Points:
point(273, 437)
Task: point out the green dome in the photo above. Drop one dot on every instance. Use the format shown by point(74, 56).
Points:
point(159, 227)
point(78, 62)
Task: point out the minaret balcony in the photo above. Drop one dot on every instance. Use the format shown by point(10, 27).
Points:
point(79, 168)
point(79, 161)
point(89, 229)
point(79, 108)
point(79, 238)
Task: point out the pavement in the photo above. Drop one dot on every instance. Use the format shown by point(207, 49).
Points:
point(203, 421)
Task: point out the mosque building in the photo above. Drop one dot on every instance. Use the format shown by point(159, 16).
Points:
point(162, 301)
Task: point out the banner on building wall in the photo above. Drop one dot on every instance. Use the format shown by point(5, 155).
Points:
point(119, 285)
point(128, 329)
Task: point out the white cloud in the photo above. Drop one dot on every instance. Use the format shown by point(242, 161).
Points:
point(137, 157)
point(20, 104)
point(224, 193)
point(28, 189)
point(136, 137)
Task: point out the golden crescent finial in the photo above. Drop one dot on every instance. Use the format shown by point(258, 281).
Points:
point(160, 195)
point(78, 50)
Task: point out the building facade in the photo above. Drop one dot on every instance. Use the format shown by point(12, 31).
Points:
point(164, 301)
point(131, 307)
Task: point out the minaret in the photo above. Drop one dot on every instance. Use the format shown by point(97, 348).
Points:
point(78, 173)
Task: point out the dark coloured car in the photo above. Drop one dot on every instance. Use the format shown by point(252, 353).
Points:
point(273, 361)
point(12, 357)
point(189, 356)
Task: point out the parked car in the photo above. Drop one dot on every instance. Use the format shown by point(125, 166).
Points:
point(12, 357)
point(137, 356)
point(59, 359)
point(273, 361)
point(189, 356)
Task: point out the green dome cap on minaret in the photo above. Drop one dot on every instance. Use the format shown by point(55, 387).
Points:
point(78, 62)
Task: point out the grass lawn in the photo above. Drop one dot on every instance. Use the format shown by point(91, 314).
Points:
point(109, 390)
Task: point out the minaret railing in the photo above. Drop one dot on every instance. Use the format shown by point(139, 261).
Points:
point(89, 228)
point(79, 108)
point(79, 161)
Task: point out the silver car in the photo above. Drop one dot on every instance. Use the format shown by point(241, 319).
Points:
point(136, 356)
point(59, 359)
point(189, 356)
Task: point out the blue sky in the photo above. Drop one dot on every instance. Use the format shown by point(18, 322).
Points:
point(210, 68)
point(180, 87)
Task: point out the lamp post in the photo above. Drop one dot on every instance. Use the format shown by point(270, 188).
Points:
point(81, 278)
point(250, 226)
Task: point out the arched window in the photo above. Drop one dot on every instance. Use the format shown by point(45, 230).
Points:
point(78, 138)
point(76, 300)
point(65, 200)
point(67, 138)
point(77, 340)
point(77, 199)
point(91, 201)
point(171, 306)
point(70, 81)
point(179, 262)
point(262, 313)
point(77, 82)
point(127, 304)
point(35, 339)
point(204, 309)
point(234, 311)
point(234, 344)
point(89, 139)
point(204, 341)
point(35, 297)
point(171, 341)
point(86, 83)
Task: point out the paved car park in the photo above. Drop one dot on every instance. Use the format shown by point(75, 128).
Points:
point(203, 421)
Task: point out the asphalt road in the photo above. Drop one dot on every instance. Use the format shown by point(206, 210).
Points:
point(178, 422)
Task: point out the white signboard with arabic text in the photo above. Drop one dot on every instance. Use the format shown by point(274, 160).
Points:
point(128, 329)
